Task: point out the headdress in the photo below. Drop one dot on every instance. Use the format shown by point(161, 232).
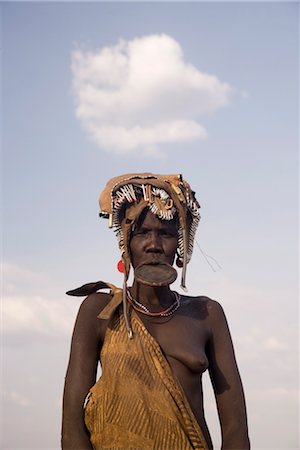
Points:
point(126, 196)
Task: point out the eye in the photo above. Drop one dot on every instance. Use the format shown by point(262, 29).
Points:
point(167, 233)
point(140, 232)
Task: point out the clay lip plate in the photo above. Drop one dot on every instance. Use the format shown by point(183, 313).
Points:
point(155, 274)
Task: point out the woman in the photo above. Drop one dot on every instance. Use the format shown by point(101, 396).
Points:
point(155, 343)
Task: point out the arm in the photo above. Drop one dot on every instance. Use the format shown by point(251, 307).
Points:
point(81, 374)
point(226, 382)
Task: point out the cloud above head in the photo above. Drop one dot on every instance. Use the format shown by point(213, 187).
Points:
point(138, 94)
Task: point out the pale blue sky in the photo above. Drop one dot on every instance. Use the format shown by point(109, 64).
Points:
point(245, 174)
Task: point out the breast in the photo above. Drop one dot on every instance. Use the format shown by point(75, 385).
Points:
point(183, 340)
point(194, 360)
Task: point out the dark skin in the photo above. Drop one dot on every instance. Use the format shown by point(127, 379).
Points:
point(195, 338)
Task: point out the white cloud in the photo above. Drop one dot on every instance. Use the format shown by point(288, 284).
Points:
point(28, 308)
point(17, 399)
point(138, 94)
point(18, 279)
point(26, 316)
point(272, 343)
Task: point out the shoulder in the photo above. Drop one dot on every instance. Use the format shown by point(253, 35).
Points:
point(205, 306)
point(88, 324)
point(91, 307)
point(93, 297)
point(94, 303)
point(200, 301)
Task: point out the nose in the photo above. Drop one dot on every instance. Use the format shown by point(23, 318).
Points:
point(153, 242)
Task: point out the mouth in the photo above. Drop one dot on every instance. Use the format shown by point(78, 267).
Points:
point(155, 273)
point(154, 261)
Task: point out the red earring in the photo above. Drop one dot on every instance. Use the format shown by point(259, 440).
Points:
point(179, 262)
point(120, 266)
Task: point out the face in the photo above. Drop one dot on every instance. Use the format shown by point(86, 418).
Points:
point(153, 240)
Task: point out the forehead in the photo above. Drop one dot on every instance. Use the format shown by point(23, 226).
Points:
point(149, 220)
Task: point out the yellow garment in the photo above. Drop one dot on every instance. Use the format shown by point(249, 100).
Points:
point(137, 403)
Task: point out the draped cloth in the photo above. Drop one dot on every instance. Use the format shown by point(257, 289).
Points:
point(137, 403)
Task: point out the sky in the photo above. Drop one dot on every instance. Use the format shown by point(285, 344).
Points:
point(94, 90)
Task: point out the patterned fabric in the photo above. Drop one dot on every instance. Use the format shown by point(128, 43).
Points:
point(137, 403)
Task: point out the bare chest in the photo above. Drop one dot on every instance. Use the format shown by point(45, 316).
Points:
point(182, 339)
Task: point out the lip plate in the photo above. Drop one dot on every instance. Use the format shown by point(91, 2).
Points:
point(155, 274)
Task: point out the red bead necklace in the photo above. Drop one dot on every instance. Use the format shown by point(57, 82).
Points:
point(144, 310)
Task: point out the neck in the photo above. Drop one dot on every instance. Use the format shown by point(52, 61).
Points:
point(149, 295)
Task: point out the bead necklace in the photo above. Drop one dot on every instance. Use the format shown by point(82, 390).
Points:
point(144, 310)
